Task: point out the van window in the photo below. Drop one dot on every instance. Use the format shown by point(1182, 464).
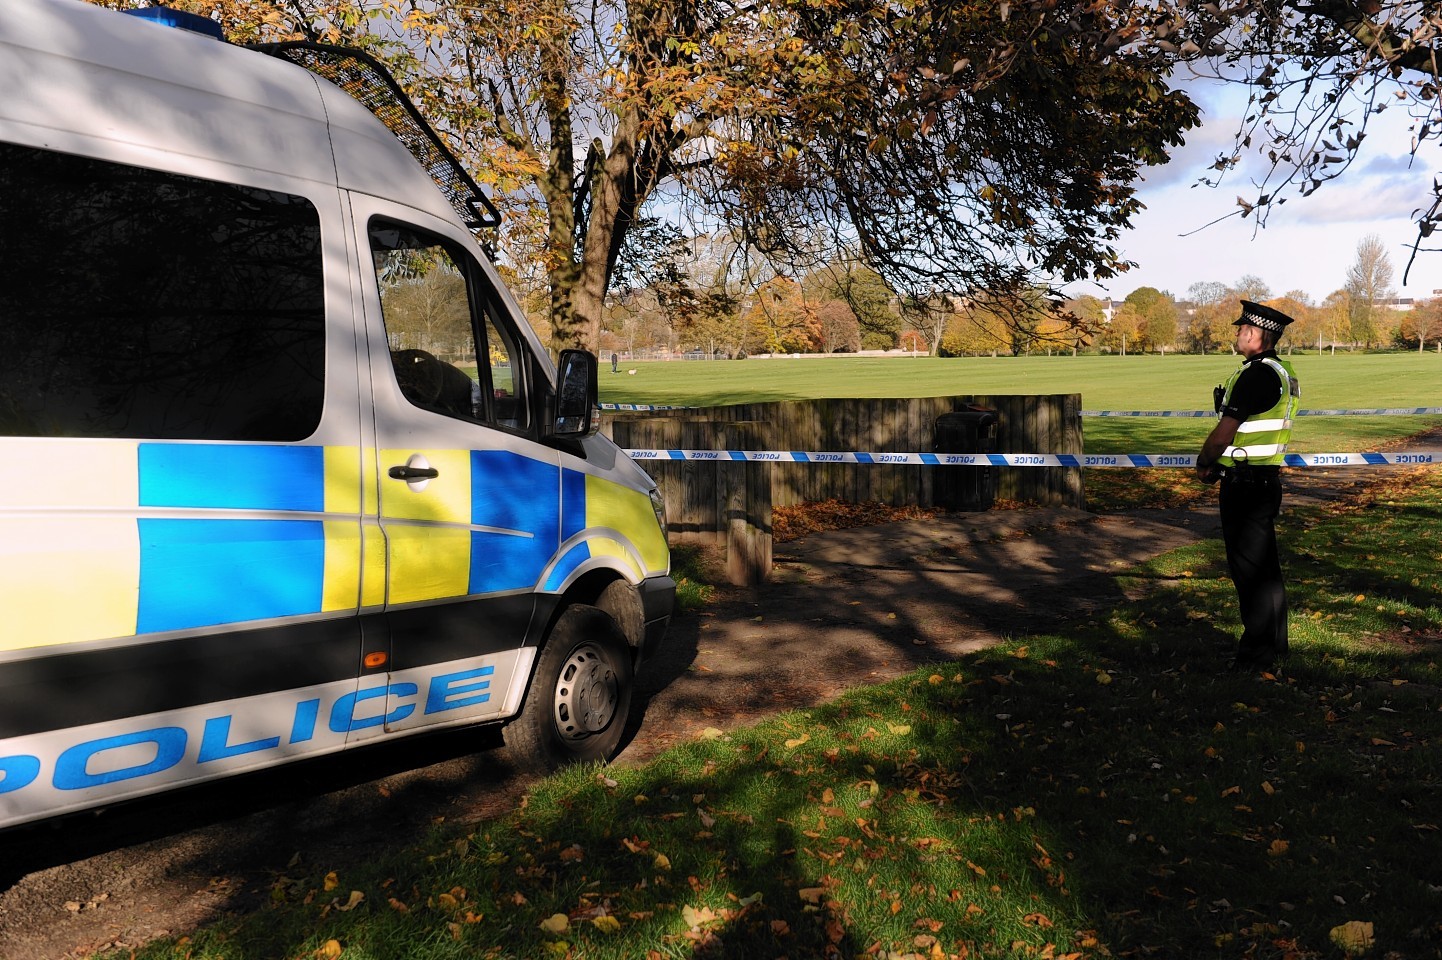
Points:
point(141, 304)
point(431, 298)
point(503, 358)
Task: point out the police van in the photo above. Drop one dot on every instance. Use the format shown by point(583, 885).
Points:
point(283, 471)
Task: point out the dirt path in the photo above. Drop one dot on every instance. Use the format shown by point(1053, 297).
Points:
point(844, 608)
point(858, 606)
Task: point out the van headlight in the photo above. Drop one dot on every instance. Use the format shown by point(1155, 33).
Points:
point(658, 504)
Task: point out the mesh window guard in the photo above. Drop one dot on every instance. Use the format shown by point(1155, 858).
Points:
point(364, 78)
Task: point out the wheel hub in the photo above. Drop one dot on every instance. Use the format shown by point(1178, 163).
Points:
point(586, 694)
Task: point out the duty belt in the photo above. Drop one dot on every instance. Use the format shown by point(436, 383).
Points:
point(1248, 473)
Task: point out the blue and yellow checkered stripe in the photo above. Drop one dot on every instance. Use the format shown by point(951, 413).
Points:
point(200, 572)
point(526, 509)
point(78, 563)
point(84, 556)
point(622, 529)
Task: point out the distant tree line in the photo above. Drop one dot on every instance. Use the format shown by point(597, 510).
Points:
point(705, 305)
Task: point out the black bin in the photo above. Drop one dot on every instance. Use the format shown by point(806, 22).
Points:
point(965, 487)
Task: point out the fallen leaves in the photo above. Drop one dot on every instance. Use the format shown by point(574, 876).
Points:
point(697, 917)
point(1354, 938)
point(355, 899)
point(795, 522)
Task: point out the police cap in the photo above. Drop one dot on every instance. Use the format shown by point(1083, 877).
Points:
point(1266, 318)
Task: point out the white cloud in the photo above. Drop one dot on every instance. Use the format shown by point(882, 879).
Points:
point(1307, 243)
point(1365, 200)
point(1194, 158)
point(1401, 164)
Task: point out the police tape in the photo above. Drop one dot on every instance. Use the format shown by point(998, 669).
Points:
point(1102, 460)
point(640, 406)
point(1379, 412)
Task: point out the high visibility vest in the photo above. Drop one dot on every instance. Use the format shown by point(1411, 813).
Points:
point(1262, 440)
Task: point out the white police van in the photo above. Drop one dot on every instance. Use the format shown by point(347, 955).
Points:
point(283, 471)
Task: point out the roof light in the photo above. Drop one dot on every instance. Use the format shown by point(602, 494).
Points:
point(180, 20)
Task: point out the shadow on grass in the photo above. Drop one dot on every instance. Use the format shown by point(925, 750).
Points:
point(269, 815)
point(1113, 792)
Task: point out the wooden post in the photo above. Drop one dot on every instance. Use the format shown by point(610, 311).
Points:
point(1074, 491)
point(744, 490)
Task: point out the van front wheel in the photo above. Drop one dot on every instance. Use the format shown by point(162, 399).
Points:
point(580, 696)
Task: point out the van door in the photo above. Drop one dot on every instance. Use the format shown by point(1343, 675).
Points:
point(469, 502)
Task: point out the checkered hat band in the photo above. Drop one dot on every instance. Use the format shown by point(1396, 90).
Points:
point(1266, 323)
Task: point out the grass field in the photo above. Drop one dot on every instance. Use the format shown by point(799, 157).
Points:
point(1346, 381)
point(1329, 382)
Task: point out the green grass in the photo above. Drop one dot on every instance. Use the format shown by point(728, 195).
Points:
point(1107, 791)
point(1309, 434)
point(1343, 381)
point(693, 588)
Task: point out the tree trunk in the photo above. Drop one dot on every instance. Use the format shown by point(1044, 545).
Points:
point(614, 194)
point(601, 230)
point(558, 188)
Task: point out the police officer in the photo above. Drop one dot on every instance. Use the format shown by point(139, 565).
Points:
point(1245, 450)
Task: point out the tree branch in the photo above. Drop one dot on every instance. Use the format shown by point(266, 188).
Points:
point(1378, 40)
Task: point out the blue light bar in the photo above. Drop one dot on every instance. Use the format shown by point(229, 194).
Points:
point(180, 20)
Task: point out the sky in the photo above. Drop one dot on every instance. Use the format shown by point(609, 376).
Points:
point(1307, 244)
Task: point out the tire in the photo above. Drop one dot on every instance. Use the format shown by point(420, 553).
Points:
point(580, 695)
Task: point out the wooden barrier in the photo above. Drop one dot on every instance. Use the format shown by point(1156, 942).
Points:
point(1025, 424)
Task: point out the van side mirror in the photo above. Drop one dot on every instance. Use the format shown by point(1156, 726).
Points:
point(576, 396)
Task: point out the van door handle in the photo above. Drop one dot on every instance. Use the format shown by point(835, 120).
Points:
point(417, 472)
point(409, 473)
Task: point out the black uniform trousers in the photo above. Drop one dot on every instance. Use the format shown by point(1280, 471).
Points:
point(1251, 498)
